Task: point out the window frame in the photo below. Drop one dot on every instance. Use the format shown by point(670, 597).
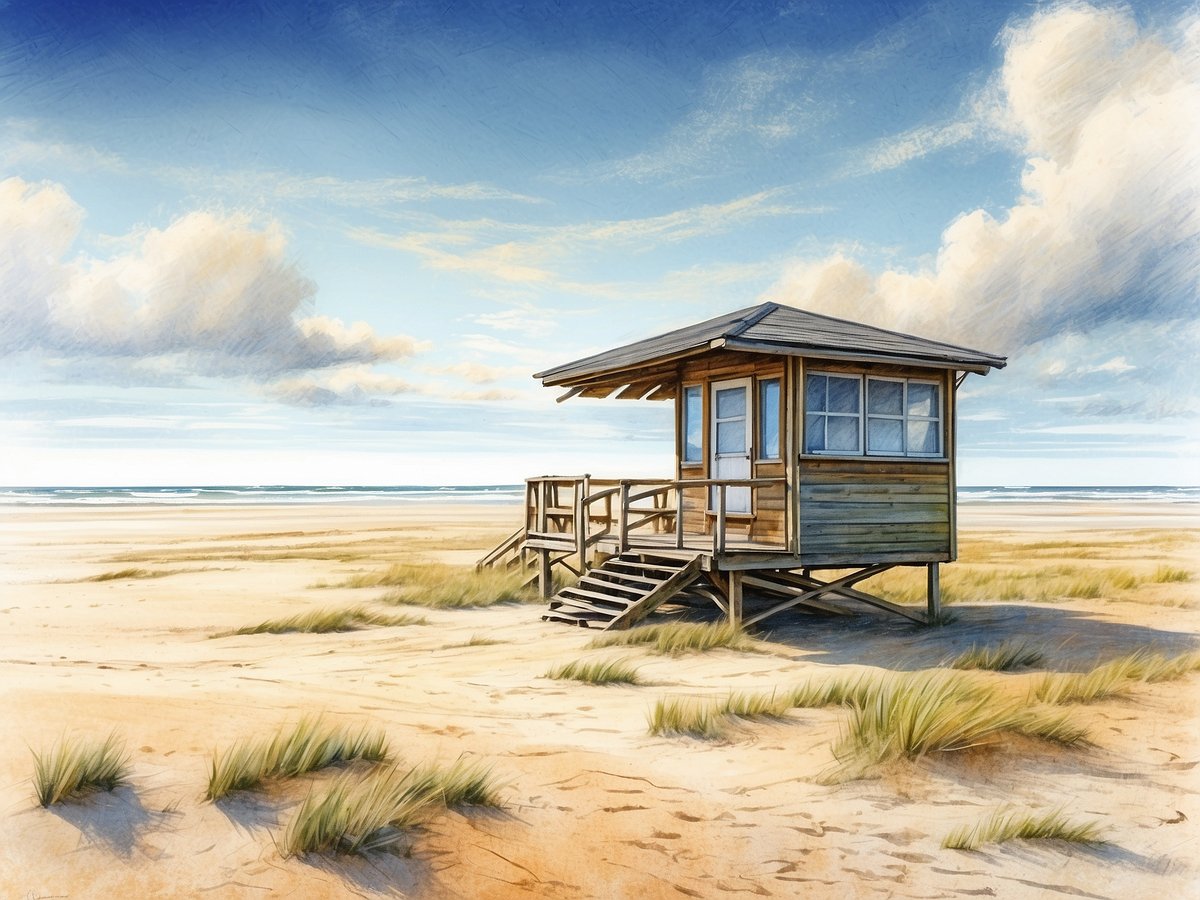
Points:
point(826, 414)
point(684, 421)
point(760, 455)
point(940, 453)
point(864, 416)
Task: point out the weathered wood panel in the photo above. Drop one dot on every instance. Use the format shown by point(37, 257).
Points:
point(859, 511)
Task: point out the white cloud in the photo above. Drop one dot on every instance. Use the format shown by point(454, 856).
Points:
point(528, 254)
point(1108, 226)
point(212, 294)
point(895, 151)
point(361, 193)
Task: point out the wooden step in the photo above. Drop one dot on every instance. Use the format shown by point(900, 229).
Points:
point(569, 593)
point(603, 585)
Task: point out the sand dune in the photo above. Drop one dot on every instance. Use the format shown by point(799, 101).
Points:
point(595, 806)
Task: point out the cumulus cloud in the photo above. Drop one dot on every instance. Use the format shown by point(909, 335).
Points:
point(216, 294)
point(1107, 227)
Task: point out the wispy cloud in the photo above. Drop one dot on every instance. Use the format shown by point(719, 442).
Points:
point(366, 193)
point(530, 254)
point(758, 100)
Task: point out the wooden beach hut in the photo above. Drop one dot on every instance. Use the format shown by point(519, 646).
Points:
point(804, 445)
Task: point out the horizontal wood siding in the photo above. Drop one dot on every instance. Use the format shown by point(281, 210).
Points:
point(862, 511)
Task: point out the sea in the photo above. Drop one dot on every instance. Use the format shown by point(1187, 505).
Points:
point(250, 495)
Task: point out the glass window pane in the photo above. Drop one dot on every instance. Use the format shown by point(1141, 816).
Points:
point(693, 425)
point(843, 394)
point(731, 436)
point(768, 422)
point(885, 436)
point(922, 437)
point(885, 397)
point(814, 393)
point(842, 433)
point(814, 433)
point(922, 399)
point(731, 403)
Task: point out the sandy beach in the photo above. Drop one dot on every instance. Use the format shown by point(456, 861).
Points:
point(595, 807)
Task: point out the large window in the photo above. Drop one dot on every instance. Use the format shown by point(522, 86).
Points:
point(768, 418)
point(903, 416)
point(693, 424)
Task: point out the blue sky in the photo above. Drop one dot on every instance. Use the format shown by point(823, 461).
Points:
point(329, 242)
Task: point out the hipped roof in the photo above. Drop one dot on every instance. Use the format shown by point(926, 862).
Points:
point(773, 329)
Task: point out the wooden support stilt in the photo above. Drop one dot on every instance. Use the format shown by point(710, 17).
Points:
point(735, 598)
point(545, 579)
point(933, 591)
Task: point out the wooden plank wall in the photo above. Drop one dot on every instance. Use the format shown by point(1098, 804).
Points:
point(860, 511)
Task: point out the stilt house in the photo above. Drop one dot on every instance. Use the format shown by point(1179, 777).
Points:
point(804, 445)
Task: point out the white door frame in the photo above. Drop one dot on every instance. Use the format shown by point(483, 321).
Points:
point(733, 465)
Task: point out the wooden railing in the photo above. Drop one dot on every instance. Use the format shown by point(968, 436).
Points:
point(574, 513)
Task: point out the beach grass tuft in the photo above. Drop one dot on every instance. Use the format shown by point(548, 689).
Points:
point(74, 767)
point(1115, 678)
point(612, 671)
point(445, 587)
point(755, 705)
point(675, 638)
point(1007, 825)
point(357, 815)
point(910, 715)
point(325, 621)
point(360, 814)
point(310, 745)
point(688, 717)
point(1002, 657)
point(841, 691)
point(1170, 575)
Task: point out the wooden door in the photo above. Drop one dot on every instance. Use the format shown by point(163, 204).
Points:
point(730, 441)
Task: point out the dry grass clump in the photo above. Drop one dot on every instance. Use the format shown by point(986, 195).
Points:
point(1114, 678)
point(842, 691)
point(714, 719)
point(1001, 572)
point(679, 637)
point(755, 706)
point(445, 587)
point(325, 621)
point(910, 715)
point(73, 768)
point(357, 815)
point(121, 574)
point(688, 717)
point(1170, 575)
point(1002, 657)
point(895, 716)
point(1007, 825)
point(613, 671)
point(310, 745)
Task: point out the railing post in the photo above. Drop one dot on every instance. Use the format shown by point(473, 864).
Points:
point(581, 522)
point(679, 515)
point(719, 531)
point(543, 503)
point(623, 519)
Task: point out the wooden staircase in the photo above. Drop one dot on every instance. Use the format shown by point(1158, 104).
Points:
point(624, 590)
